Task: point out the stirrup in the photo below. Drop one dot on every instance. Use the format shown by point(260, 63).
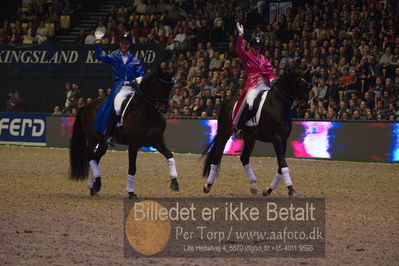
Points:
point(110, 142)
point(119, 121)
point(238, 134)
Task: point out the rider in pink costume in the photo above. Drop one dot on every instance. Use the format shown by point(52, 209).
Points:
point(259, 73)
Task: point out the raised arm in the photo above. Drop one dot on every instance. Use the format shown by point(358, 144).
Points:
point(240, 43)
point(100, 55)
point(98, 51)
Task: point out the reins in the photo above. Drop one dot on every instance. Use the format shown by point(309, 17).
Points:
point(154, 101)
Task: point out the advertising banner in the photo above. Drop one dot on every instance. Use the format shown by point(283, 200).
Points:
point(68, 56)
point(23, 128)
point(368, 141)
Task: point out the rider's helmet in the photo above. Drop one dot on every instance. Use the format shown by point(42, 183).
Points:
point(255, 41)
point(125, 37)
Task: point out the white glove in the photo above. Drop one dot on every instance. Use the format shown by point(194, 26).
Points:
point(99, 34)
point(138, 80)
point(240, 28)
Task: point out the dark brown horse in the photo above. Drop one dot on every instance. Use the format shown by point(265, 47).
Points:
point(143, 125)
point(274, 126)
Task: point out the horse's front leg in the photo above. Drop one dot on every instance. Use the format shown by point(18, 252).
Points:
point(161, 147)
point(132, 172)
point(249, 144)
point(283, 171)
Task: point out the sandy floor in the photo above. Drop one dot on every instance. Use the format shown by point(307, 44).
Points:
point(47, 219)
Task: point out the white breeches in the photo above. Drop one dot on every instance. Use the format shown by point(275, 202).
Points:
point(254, 92)
point(120, 97)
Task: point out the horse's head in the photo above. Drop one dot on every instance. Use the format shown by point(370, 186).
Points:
point(294, 83)
point(157, 86)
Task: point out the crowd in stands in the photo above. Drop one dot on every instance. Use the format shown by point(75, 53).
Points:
point(176, 24)
point(351, 48)
point(36, 21)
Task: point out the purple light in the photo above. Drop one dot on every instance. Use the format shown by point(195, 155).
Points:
point(315, 141)
point(233, 146)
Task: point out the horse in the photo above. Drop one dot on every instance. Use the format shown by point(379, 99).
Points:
point(143, 126)
point(274, 126)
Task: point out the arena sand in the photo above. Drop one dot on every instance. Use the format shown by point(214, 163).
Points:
point(47, 219)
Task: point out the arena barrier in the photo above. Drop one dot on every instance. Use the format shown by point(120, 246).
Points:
point(351, 140)
point(344, 140)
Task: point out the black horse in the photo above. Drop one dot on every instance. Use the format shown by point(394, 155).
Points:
point(274, 126)
point(144, 125)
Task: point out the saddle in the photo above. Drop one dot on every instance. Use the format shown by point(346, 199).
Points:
point(118, 119)
point(251, 117)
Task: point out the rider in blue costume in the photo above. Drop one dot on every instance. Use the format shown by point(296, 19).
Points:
point(126, 71)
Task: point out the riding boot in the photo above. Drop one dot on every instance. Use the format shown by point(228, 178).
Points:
point(244, 117)
point(111, 128)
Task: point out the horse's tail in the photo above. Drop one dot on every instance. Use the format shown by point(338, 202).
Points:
point(78, 155)
point(209, 152)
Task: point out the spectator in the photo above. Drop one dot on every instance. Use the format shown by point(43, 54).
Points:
point(27, 37)
point(101, 94)
point(3, 36)
point(177, 95)
point(216, 63)
point(90, 39)
point(82, 37)
point(15, 103)
point(70, 93)
point(41, 33)
point(57, 110)
point(14, 36)
point(81, 103)
point(178, 41)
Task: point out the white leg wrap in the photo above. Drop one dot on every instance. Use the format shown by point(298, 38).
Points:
point(286, 176)
point(213, 173)
point(276, 181)
point(172, 168)
point(130, 183)
point(250, 173)
point(95, 169)
point(90, 180)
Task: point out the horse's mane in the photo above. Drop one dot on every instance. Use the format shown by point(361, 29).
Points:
point(148, 77)
point(286, 79)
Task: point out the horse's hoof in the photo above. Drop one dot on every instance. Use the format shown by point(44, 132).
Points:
point(292, 192)
point(94, 192)
point(267, 192)
point(97, 184)
point(254, 188)
point(207, 188)
point(132, 196)
point(174, 185)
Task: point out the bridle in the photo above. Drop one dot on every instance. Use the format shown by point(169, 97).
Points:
point(155, 101)
point(289, 98)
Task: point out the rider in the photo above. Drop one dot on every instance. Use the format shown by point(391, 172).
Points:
point(259, 74)
point(126, 69)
